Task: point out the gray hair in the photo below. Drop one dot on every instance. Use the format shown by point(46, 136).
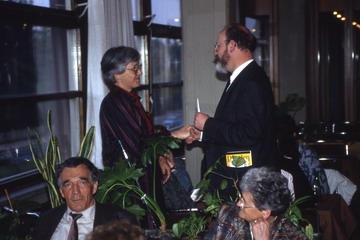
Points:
point(115, 61)
point(74, 162)
point(269, 189)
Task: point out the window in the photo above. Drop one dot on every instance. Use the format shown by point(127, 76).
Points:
point(167, 12)
point(58, 4)
point(39, 70)
point(259, 26)
point(162, 91)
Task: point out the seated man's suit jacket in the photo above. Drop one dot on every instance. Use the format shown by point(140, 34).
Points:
point(48, 222)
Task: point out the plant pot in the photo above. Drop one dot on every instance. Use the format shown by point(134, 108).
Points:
point(156, 234)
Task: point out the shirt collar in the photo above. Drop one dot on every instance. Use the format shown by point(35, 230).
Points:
point(238, 70)
point(87, 214)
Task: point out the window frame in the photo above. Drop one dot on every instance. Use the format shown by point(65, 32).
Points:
point(157, 31)
point(11, 12)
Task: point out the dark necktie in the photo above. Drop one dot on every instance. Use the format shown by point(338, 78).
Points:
point(73, 233)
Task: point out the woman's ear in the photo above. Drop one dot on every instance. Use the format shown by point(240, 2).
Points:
point(117, 77)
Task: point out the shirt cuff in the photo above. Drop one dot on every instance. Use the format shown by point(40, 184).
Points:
point(201, 136)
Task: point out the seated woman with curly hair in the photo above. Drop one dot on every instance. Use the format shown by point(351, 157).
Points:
point(259, 213)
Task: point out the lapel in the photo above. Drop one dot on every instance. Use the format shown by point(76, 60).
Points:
point(102, 215)
point(98, 217)
point(222, 99)
point(54, 220)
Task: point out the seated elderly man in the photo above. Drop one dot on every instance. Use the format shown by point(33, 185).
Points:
point(259, 212)
point(77, 181)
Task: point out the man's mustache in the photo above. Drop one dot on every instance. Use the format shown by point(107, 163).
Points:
point(216, 60)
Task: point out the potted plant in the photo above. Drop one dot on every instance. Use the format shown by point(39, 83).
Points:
point(214, 202)
point(118, 184)
point(191, 227)
point(293, 213)
point(46, 161)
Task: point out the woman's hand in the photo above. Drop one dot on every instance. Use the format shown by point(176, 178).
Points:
point(183, 133)
point(261, 229)
point(165, 168)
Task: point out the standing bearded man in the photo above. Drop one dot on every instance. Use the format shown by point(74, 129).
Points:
point(241, 133)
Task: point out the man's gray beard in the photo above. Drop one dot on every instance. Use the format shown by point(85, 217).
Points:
point(220, 68)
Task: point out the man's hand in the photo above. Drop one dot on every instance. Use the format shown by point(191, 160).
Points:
point(195, 136)
point(165, 168)
point(199, 120)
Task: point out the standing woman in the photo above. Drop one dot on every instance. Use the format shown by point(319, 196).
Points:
point(124, 122)
point(122, 117)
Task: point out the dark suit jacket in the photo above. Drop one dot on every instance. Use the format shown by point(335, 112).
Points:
point(48, 222)
point(244, 120)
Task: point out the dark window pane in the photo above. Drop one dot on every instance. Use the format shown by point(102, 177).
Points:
point(37, 59)
point(356, 58)
point(168, 107)
point(15, 156)
point(166, 60)
point(331, 67)
point(58, 4)
point(259, 26)
point(167, 12)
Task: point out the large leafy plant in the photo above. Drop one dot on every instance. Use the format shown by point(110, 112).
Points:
point(47, 160)
point(214, 202)
point(190, 227)
point(156, 146)
point(120, 184)
point(293, 213)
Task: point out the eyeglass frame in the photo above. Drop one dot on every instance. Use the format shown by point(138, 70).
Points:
point(242, 202)
point(217, 45)
point(136, 68)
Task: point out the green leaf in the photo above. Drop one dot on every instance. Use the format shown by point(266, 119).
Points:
point(87, 143)
point(176, 230)
point(309, 231)
point(238, 161)
point(224, 184)
point(137, 211)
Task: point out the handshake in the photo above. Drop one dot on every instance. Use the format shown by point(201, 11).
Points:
point(188, 133)
point(191, 133)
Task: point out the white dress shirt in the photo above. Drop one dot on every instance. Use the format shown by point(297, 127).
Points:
point(237, 71)
point(85, 224)
point(340, 184)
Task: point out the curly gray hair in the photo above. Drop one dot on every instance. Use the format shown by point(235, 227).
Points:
point(269, 189)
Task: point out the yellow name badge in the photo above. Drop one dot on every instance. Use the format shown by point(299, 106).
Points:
point(238, 159)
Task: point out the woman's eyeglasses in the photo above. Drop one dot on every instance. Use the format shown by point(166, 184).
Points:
point(136, 68)
point(242, 202)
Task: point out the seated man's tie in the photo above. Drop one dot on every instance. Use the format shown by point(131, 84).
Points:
point(73, 233)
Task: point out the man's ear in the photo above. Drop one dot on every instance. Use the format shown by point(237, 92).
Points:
point(232, 45)
point(61, 192)
point(266, 213)
point(95, 187)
